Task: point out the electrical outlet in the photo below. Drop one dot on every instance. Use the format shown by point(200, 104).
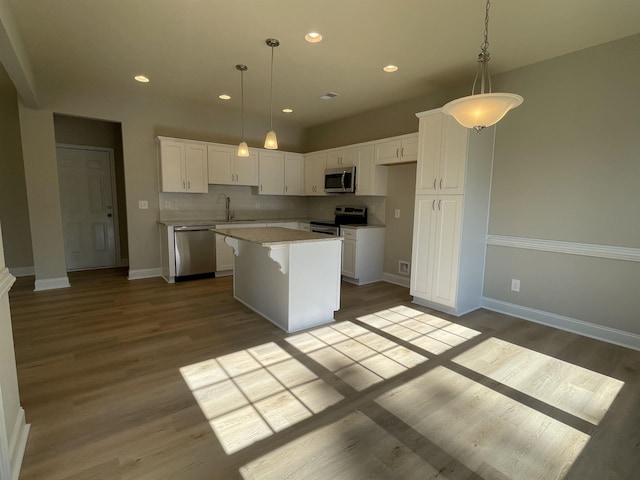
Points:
point(515, 285)
point(167, 205)
point(397, 214)
point(143, 204)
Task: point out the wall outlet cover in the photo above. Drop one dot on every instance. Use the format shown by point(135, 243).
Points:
point(403, 267)
point(143, 204)
point(515, 285)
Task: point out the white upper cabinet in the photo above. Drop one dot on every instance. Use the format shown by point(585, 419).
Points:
point(183, 166)
point(398, 150)
point(281, 173)
point(226, 168)
point(371, 179)
point(344, 157)
point(293, 174)
point(443, 155)
point(314, 166)
point(271, 169)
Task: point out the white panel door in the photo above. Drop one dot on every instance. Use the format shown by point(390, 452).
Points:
point(86, 199)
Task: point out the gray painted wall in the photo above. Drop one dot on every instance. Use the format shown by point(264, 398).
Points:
point(14, 210)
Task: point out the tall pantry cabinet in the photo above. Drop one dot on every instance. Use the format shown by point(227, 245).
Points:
point(453, 183)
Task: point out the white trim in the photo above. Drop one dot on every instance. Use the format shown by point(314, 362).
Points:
point(51, 283)
point(611, 252)
point(18, 443)
point(144, 273)
point(396, 279)
point(23, 271)
point(6, 281)
point(592, 330)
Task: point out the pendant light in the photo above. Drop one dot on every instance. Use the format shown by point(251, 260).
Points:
point(482, 110)
point(271, 141)
point(243, 148)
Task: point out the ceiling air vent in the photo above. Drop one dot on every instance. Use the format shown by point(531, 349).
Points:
point(328, 96)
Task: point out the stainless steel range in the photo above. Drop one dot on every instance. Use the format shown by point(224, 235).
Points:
point(343, 215)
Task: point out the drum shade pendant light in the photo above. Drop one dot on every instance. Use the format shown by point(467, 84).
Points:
point(482, 110)
point(271, 141)
point(243, 148)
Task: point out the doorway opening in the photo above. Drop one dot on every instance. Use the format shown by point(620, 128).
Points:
point(92, 192)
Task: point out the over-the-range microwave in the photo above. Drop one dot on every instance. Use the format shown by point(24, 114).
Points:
point(340, 180)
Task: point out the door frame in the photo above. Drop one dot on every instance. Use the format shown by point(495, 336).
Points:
point(114, 194)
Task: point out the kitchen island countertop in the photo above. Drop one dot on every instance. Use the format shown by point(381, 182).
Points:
point(268, 236)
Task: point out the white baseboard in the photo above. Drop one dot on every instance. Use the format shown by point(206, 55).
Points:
point(22, 271)
point(51, 283)
point(396, 279)
point(18, 443)
point(144, 273)
point(592, 330)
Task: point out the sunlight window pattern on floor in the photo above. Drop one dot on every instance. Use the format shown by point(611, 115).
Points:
point(423, 330)
point(359, 357)
point(250, 394)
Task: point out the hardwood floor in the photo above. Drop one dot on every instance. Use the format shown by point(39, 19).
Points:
point(144, 380)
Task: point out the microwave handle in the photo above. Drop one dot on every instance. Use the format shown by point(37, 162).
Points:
point(342, 180)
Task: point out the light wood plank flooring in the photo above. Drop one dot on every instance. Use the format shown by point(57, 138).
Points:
point(144, 380)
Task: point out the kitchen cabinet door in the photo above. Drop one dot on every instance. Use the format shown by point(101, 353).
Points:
point(443, 155)
point(220, 159)
point(246, 169)
point(293, 174)
point(171, 166)
point(398, 150)
point(314, 166)
point(271, 173)
point(371, 179)
point(341, 158)
point(183, 167)
point(196, 171)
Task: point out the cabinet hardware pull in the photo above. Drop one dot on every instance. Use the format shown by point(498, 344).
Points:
point(188, 184)
point(402, 152)
point(433, 205)
point(439, 204)
point(434, 183)
point(397, 151)
point(286, 189)
point(440, 184)
point(184, 185)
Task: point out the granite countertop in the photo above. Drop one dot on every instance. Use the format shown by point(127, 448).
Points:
point(273, 235)
point(212, 223)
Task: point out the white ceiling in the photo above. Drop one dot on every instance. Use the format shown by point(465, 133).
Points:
point(189, 48)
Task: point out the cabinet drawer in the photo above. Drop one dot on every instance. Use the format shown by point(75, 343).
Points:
point(349, 233)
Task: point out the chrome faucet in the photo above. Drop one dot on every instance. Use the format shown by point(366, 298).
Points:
point(228, 207)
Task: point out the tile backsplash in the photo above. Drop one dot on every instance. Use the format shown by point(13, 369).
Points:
point(247, 204)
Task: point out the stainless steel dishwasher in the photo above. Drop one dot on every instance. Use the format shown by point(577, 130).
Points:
point(195, 248)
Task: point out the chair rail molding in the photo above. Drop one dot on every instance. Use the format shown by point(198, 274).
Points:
point(611, 252)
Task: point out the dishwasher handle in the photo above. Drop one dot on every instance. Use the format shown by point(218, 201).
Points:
point(193, 228)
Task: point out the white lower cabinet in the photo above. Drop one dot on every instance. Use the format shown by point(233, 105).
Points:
point(436, 241)
point(362, 254)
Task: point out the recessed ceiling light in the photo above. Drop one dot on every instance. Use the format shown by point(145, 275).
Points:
point(142, 78)
point(287, 110)
point(224, 96)
point(390, 68)
point(313, 37)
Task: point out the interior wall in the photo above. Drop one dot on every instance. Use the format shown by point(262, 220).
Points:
point(399, 231)
point(142, 119)
point(96, 133)
point(14, 209)
point(567, 168)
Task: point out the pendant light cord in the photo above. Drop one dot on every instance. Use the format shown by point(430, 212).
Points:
point(271, 94)
point(242, 104)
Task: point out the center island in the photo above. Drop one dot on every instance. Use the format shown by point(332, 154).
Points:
point(290, 277)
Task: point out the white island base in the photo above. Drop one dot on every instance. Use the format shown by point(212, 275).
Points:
point(293, 283)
